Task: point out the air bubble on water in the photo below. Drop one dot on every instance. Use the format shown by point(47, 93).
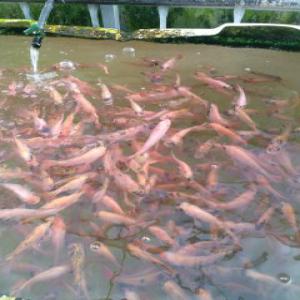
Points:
point(109, 57)
point(284, 278)
point(128, 51)
point(67, 65)
point(146, 239)
point(247, 69)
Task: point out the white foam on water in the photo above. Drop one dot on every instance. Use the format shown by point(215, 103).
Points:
point(41, 76)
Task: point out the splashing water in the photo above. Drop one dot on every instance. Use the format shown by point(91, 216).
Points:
point(34, 58)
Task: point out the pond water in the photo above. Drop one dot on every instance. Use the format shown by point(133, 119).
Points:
point(143, 257)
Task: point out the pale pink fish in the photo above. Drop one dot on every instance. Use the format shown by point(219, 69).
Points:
point(131, 295)
point(136, 107)
point(112, 204)
point(146, 256)
point(58, 236)
point(85, 105)
point(32, 239)
point(56, 127)
point(176, 138)
point(212, 177)
point(68, 124)
point(186, 92)
point(241, 100)
point(55, 95)
point(106, 94)
point(182, 260)
point(245, 158)
point(139, 278)
point(12, 89)
point(50, 274)
point(125, 182)
point(25, 152)
point(214, 116)
point(170, 63)
point(162, 235)
point(224, 131)
point(20, 213)
point(99, 195)
point(204, 216)
point(103, 67)
point(174, 291)
point(73, 184)
point(202, 294)
point(40, 124)
point(113, 218)
point(86, 158)
point(184, 168)
point(22, 192)
point(244, 117)
point(154, 96)
point(63, 202)
point(181, 113)
point(102, 250)
point(214, 83)
point(155, 136)
point(241, 201)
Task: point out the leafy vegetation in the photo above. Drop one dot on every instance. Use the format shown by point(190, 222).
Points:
point(136, 17)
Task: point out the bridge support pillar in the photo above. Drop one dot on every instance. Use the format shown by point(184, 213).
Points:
point(25, 9)
point(163, 12)
point(110, 16)
point(238, 14)
point(93, 10)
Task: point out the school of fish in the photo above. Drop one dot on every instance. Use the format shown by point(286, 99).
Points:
point(105, 171)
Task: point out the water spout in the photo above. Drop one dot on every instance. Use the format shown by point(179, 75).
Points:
point(45, 13)
point(34, 58)
point(238, 14)
point(38, 32)
point(26, 10)
point(93, 10)
point(163, 12)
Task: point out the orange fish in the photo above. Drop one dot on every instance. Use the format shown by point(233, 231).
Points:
point(162, 235)
point(174, 291)
point(23, 193)
point(223, 131)
point(113, 218)
point(156, 135)
point(58, 236)
point(86, 158)
point(52, 273)
point(184, 168)
point(214, 116)
point(32, 239)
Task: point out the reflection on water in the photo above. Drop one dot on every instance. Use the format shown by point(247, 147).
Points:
point(213, 214)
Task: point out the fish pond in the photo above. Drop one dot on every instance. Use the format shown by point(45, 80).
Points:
point(149, 171)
